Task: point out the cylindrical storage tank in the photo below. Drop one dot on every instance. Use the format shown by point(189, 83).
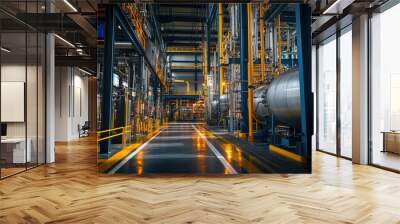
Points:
point(283, 98)
point(261, 110)
point(214, 111)
point(224, 104)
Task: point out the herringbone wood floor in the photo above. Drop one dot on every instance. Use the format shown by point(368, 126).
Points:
point(70, 191)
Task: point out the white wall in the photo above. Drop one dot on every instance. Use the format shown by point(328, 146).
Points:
point(16, 73)
point(71, 102)
point(33, 126)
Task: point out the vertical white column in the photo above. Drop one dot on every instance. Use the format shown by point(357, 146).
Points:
point(50, 92)
point(360, 90)
point(314, 90)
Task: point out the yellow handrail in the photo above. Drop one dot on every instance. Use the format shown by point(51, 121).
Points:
point(109, 130)
point(124, 131)
point(109, 137)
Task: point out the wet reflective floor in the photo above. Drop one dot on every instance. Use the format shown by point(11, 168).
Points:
point(189, 148)
point(177, 149)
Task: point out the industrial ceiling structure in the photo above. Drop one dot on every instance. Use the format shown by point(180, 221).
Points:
point(74, 26)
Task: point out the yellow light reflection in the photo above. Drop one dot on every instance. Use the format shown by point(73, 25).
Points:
point(235, 155)
point(139, 163)
point(200, 146)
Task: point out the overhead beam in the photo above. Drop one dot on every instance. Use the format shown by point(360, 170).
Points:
point(186, 31)
point(84, 61)
point(180, 18)
point(182, 44)
point(188, 38)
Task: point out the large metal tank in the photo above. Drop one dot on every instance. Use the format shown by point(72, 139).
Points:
point(281, 98)
point(224, 105)
point(260, 103)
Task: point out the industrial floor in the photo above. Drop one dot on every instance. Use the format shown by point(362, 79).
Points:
point(71, 191)
point(190, 148)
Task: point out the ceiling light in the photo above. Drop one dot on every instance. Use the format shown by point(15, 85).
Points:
point(70, 5)
point(123, 44)
point(337, 7)
point(84, 71)
point(5, 50)
point(64, 40)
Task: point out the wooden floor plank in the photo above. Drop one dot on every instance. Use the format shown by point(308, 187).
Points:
point(71, 191)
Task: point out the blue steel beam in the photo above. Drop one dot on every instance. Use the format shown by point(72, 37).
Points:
point(274, 12)
point(106, 110)
point(156, 24)
point(212, 14)
point(303, 34)
point(244, 127)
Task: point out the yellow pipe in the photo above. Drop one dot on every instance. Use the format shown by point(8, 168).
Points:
point(250, 71)
point(186, 82)
point(221, 48)
point(262, 51)
point(183, 50)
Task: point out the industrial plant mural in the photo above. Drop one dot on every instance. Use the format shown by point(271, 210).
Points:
point(204, 89)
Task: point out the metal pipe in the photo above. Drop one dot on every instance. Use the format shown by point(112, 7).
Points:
point(186, 82)
point(221, 48)
point(278, 44)
point(250, 71)
point(262, 39)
